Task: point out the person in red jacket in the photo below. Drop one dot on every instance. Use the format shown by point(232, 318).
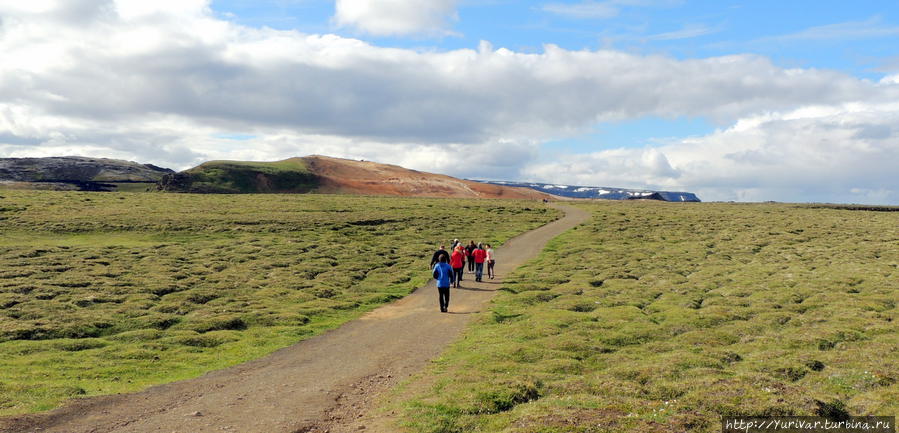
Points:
point(468, 250)
point(457, 261)
point(479, 255)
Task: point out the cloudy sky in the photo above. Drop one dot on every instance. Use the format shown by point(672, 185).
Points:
point(744, 100)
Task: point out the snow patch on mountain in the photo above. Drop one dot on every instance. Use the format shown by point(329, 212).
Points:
point(606, 193)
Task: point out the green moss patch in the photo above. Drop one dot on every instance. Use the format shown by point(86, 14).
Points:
point(664, 317)
point(112, 292)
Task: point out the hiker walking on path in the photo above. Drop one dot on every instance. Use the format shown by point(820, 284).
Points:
point(401, 338)
point(468, 251)
point(479, 256)
point(441, 252)
point(445, 276)
point(491, 261)
point(457, 261)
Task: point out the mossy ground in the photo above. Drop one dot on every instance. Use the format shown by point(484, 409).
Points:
point(112, 292)
point(664, 317)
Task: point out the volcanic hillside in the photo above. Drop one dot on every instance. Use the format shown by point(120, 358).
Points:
point(322, 174)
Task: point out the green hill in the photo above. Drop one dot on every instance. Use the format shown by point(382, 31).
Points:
point(287, 176)
point(328, 175)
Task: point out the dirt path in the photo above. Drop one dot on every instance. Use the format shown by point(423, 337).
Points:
point(325, 383)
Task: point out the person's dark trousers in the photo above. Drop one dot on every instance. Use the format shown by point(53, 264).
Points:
point(478, 271)
point(458, 272)
point(470, 264)
point(444, 298)
point(490, 272)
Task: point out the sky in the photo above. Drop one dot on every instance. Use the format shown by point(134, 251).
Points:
point(737, 100)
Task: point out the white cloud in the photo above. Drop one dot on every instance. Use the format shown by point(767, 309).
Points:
point(30, 7)
point(871, 28)
point(691, 31)
point(600, 9)
point(168, 86)
point(590, 9)
point(843, 153)
point(397, 17)
point(132, 9)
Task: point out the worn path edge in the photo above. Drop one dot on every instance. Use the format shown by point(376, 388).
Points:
point(325, 383)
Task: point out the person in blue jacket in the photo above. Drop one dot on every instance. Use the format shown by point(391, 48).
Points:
point(445, 277)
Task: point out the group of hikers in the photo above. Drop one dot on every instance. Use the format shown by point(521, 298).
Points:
point(448, 268)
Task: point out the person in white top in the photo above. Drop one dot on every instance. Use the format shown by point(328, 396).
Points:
point(491, 260)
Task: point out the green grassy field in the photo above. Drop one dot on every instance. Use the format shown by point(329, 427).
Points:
point(663, 317)
point(111, 292)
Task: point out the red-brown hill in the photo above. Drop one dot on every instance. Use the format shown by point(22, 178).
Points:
point(322, 174)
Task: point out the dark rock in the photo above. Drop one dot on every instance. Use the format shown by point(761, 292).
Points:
point(76, 172)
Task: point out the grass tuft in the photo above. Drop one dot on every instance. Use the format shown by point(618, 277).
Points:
point(661, 317)
point(112, 293)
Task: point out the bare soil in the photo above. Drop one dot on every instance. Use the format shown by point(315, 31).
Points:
point(323, 384)
point(345, 176)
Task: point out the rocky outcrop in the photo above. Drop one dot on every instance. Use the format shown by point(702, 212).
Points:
point(77, 172)
point(78, 169)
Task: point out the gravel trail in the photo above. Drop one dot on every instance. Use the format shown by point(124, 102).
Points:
point(325, 383)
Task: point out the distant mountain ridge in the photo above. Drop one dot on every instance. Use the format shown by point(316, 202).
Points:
point(605, 193)
point(78, 172)
point(310, 174)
